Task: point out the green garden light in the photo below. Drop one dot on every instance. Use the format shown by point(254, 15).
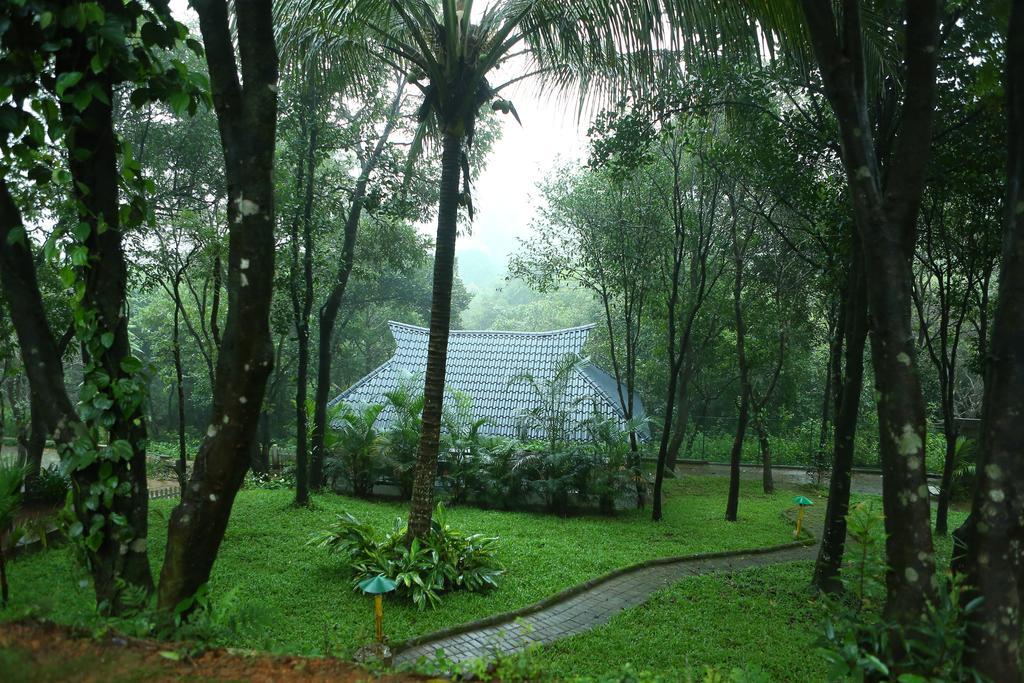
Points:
point(377, 587)
point(803, 502)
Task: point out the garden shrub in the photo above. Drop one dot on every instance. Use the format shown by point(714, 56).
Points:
point(49, 487)
point(559, 475)
point(270, 481)
point(860, 645)
point(446, 560)
point(401, 444)
point(354, 456)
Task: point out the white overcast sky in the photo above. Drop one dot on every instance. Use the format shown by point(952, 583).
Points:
point(504, 192)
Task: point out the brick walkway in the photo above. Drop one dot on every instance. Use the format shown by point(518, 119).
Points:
point(588, 609)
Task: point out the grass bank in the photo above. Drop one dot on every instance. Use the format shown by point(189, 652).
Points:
point(302, 600)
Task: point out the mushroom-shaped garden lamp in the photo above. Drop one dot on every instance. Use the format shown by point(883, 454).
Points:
point(377, 586)
point(803, 502)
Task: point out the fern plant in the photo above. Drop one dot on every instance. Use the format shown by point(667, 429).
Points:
point(357, 449)
point(402, 441)
point(445, 560)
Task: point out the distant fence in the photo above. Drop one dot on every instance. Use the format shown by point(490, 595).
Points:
point(168, 492)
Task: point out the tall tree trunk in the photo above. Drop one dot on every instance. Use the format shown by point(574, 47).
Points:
point(246, 115)
point(36, 443)
point(764, 445)
point(179, 381)
point(682, 419)
point(996, 531)
point(261, 464)
point(886, 201)
point(421, 510)
point(948, 465)
point(732, 505)
point(103, 331)
point(854, 334)
point(302, 293)
point(116, 525)
point(329, 310)
point(833, 381)
point(215, 304)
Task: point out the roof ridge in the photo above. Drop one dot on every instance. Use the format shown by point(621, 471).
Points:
point(416, 328)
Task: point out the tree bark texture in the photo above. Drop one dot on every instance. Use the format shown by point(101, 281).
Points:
point(886, 203)
point(328, 314)
point(854, 336)
point(733, 503)
point(996, 532)
point(246, 116)
point(96, 177)
point(421, 509)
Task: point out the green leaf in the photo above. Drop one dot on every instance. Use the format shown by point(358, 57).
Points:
point(171, 654)
point(16, 235)
point(67, 276)
point(81, 99)
point(66, 80)
point(107, 339)
point(79, 256)
point(179, 101)
point(122, 449)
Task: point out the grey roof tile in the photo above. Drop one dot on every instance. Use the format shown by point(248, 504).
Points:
point(482, 364)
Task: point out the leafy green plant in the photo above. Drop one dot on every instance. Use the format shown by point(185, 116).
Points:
point(553, 414)
point(860, 645)
point(503, 477)
point(445, 560)
point(616, 469)
point(355, 455)
point(964, 468)
point(464, 446)
point(51, 486)
point(11, 479)
point(402, 440)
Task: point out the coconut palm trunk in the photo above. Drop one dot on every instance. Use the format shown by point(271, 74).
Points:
point(437, 345)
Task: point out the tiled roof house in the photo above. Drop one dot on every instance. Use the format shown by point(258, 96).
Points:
point(483, 363)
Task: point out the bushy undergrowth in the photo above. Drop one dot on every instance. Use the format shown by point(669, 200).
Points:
point(446, 560)
point(860, 645)
point(557, 475)
point(271, 481)
point(798, 446)
point(50, 487)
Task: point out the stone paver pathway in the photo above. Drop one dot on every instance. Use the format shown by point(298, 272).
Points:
point(589, 609)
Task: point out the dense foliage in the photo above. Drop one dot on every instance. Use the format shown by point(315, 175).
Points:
point(445, 560)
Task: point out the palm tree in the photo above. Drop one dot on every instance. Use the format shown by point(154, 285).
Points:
point(554, 408)
point(449, 51)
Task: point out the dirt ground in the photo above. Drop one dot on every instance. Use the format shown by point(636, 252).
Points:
point(33, 651)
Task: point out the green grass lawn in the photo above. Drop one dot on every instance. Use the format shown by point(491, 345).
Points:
point(306, 597)
point(763, 618)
